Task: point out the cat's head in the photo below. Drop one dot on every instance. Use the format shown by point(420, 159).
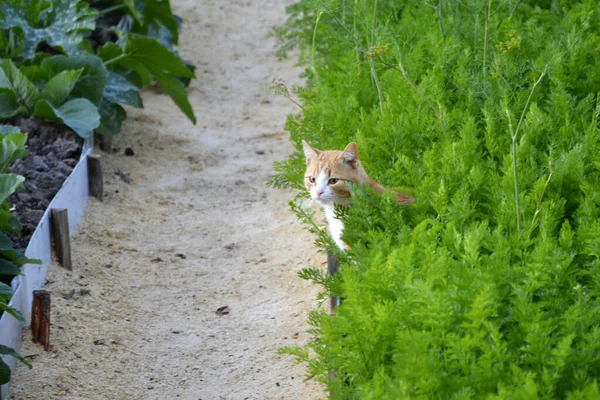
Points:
point(327, 173)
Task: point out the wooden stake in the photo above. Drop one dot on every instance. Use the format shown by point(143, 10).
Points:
point(105, 143)
point(332, 269)
point(40, 318)
point(62, 239)
point(95, 176)
point(334, 301)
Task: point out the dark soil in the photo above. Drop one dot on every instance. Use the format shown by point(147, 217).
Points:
point(54, 151)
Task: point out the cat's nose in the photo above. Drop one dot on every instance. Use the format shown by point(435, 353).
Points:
point(319, 193)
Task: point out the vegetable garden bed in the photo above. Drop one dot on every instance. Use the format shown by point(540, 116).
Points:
point(67, 67)
point(53, 153)
point(73, 195)
point(488, 113)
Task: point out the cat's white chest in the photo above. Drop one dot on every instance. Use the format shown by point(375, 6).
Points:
point(336, 226)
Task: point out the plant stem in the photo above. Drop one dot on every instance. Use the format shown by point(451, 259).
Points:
point(485, 38)
point(528, 100)
point(295, 102)
point(514, 9)
point(438, 11)
point(475, 36)
point(117, 58)
point(314, 38)
point(377, 83)
point(356, 42)
point(373, 22)
point(515, 175)
point(514, 135)
point(372, 61)
point(359, 46)
point(111, 9)
point(539, 205)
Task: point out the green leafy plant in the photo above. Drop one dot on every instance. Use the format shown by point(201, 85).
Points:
point(35, 31)
point(153, 19)
point(54, 102)
point(59, 24)
point(48, 69)
point(489, 112)
point(149, 59)
point(12, 147)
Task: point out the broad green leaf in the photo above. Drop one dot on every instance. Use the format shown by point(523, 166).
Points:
point(178, 93)
point(8, 222)
point(6, 292)
point(12, 79)
point(109, 52)
point(5, 47)
point(12, 311)
point(93, 77)
point(154, 56)
point(35, 10)
point(9, 129)
point(8, 351)
point(35, 74)
point(5, 242)
point(153, 12)
point(8, 268)
point(62, 27)
point(9, 104)
point(59, 87)
point(112, 54)
point(112, 116)
point(19, 258)
point(136, 9)
point(147, 55)
point(5, 372)
point(8, 184)
point(14, 225)
point(12, 147)
point(164, 36)
point(81, 115)
point(119, 90)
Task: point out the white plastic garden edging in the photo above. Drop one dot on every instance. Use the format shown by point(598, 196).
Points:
point(73, 195)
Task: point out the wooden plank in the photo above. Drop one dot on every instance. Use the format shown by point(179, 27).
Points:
point(40, 318)
point(332, 269)
point(105, 143)
point(62, 238)
point(95, 176)
point(334, 301)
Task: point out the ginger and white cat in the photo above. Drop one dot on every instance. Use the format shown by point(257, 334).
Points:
point(326, 175)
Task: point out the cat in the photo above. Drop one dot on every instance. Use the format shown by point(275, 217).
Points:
point(326, 175)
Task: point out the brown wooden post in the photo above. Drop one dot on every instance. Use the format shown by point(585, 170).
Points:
point(332, 269)
point(40, 318)
point(334, 301)
point(105, 143)
point(62, 239)
point(95, 176)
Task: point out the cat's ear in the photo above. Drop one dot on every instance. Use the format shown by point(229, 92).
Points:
point(350, 155)
point(309, 151)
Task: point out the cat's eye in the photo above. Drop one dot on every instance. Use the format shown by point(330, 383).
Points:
point(333, 181)
point(311, 179)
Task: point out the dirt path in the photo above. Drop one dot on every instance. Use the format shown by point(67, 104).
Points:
point(196, 230)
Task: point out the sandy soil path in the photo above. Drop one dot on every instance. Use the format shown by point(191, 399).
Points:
point(195, 230)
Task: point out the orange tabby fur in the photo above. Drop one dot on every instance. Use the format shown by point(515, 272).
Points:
point(346, 167)
point(326, 175)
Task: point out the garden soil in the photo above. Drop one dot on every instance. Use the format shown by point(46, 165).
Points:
point(52, 152)
point(185, 278)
